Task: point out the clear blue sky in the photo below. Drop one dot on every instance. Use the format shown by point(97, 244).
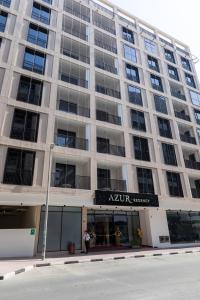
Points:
point(179, 18)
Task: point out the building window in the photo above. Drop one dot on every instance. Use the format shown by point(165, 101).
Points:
point(19, 167)
point(38, 35)
point(145, 181)
point(174, 184)
point(130, 53)
point(153, 63)
point(135, 95)
point(185, 63)
point(25, 125)
point(30, 90)
point(3, 20)
point(150, 46)
point(34, 61)
point(197, 116)
point(190, 80)
point(138, 120)
point(141, 148)
point(173, 73)
point(164, 128)
point(41, 13)
point(195, 97)
point(160, 104)
point(5, 3)
point(169, 55)
point(156, 83)
point(169, 154)
point(66, 138)
point(128, 35)
point(132, 73)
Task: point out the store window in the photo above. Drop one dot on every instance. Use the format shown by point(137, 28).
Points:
point(64, 227)
point(184, 226)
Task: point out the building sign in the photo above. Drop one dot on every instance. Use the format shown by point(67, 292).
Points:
point(125, 199)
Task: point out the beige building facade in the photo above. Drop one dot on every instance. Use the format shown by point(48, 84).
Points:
point(120, 102)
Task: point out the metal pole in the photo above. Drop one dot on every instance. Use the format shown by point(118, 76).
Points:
point(44, 245)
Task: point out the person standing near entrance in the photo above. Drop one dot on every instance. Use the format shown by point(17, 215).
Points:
point(86, 238)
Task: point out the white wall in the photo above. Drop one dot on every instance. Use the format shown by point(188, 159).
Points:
point(16, 243)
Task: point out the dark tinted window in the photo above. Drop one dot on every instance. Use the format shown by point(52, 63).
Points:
point(173, 73)
point(160, 104)
point(132, 73)
point(174, 184)
point(25, 125)
point(156, 83)
point(3, 20)
point(169, 154)
point(138, 120)
point(135, 95)
point(19, 167)
point(145, 181)
point(164, 128)
point(30, 90)
point(190, 80)
point(169, 55)
point(127, 35)
point(141, 148)
point(185, 63)
point(153, 63)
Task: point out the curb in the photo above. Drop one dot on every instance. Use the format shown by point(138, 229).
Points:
point(41, 265)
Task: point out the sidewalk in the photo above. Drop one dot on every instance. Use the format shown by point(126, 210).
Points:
point(12, 267)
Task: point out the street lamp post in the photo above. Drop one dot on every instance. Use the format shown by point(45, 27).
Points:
point(44, 240)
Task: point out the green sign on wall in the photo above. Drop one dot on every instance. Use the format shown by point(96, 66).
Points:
point(32, 231)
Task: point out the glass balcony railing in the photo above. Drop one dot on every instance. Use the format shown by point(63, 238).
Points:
point(106, 117)
point(70, 182)
point(182, 116)
point(190, 164)
point(110, 149)
point(108, 91)
point(188, 139)
point(74, 80)
point(71, 142)
point(111, 184)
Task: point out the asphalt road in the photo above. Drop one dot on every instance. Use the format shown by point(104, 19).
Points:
point(167, 277)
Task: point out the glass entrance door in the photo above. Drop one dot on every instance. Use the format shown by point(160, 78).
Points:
point(111, 229)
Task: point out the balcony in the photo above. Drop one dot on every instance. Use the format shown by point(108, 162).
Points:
point(111, 184)
point(195, 193)
point(105, 62)
point(108, 86)
point(75, 50)
point(78, 10)
point(188, 139)
point(103, 147)
point(70, 172)
point(177, 92)
point(73, 74)
point(104, 23)
point(106, 117)
point(190, 164)
point(75, 28)
point(105, 42)
point(71, 142)
point(78, 182)
point(182, 115)
point(73, 102)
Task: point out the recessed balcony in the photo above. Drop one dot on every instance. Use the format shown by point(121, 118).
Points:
point(108, 112)
point(75, 50)
point(73, 74)
point(77, 9)
point(105, 41)
point(110, 142)
point(75, 28)
point(110, 178)
point(75, 174)
point(73, 102)
point(177, 91)
point(108, 86)
point(195, 187)
point(186, 134)
point(106, 62)
point(71, 134)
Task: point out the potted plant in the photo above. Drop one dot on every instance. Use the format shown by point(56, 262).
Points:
point(71, 248)
point(137, 238)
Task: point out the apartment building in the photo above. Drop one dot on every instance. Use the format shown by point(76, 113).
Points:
point(109, 106)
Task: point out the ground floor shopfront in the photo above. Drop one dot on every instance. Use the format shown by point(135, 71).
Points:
point(113, 221)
